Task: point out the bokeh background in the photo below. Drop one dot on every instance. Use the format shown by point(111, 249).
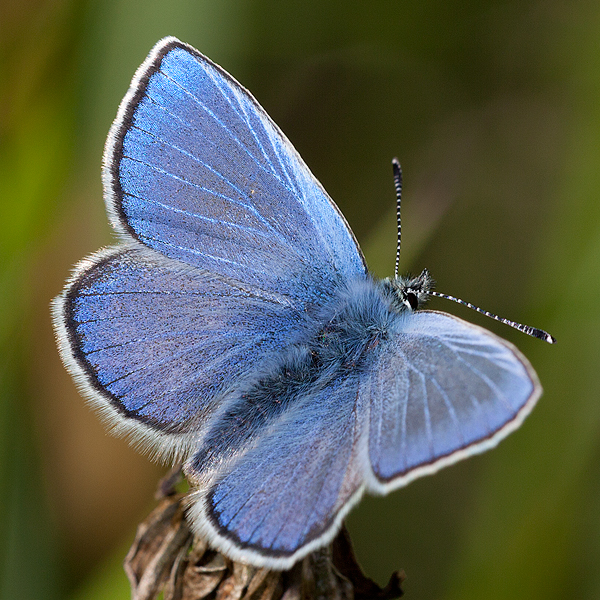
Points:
point(494, 110)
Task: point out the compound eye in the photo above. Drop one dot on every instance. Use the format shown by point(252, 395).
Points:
point(412, 300)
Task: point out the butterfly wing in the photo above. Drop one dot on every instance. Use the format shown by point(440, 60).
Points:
point(195, 169)
point(441, 390)
point(156, 345)
point(287, 491)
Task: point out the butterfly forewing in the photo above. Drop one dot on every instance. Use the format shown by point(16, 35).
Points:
point(195, 169)
point(442, 389)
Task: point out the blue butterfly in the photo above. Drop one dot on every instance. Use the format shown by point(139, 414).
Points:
point(235, 327)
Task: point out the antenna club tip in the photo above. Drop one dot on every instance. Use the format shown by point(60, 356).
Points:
point(540, 334)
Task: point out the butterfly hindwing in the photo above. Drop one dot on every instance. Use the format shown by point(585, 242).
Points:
point(304, 471)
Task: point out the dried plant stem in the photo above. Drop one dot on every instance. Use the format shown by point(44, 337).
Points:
point(165, 558)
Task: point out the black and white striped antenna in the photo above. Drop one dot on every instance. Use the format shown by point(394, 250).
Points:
point(540, 334)
point(398, 185)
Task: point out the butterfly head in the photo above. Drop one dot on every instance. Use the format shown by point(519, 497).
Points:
point(409, 293)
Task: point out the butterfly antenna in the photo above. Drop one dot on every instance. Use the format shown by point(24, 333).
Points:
point(532, 331)
point(398, 185)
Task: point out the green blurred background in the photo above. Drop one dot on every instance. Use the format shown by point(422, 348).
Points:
point(494, 110)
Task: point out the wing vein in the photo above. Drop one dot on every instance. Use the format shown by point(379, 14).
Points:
point(206, 333)
point(200, 217)
point(245, 119)
point(493, 387)
point(248, 207)
point(174, 357)
point(450, 408)
point(224, 127)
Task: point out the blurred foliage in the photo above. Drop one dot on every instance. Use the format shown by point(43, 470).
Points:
point(494, 110)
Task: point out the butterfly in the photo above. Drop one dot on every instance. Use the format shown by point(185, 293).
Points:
point(235, 326)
